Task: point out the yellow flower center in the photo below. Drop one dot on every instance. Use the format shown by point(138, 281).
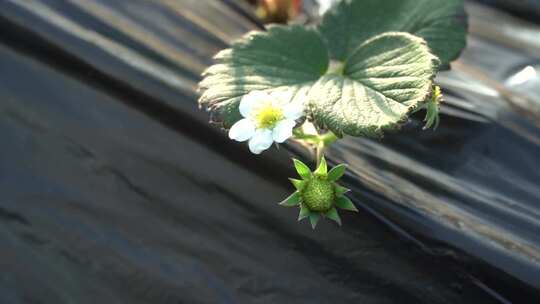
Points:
point(268, 117)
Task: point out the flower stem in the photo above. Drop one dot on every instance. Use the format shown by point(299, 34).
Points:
point(328, 138)
point(319, 142)
point(320, 153)
point(325, 140)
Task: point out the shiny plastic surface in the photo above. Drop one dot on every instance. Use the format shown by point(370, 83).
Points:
point(114, 189)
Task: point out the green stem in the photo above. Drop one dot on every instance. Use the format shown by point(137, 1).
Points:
point(299, 134)
point(335, 67)
point(328, 138)
point(320, 153)
point(320, 142)
point(325, 141)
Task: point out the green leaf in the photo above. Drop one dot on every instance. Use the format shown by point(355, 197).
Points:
point(345, 203)
point(432, 116)
point(384, 80)
point(302, 169)
point(340, 190)
point(298, 184)
point(432, 109)
point(333, 215)
point(304, 212)
point(314, 218)
point(284, 57)
point(293, 200)
point(336, 172)
point(322, 170)
point(442, 23)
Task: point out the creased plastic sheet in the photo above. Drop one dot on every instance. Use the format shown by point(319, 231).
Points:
point(116, 190)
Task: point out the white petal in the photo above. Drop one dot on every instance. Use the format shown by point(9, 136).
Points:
point(261, 140)
point(293, 110)
point(242, 130)
point(325, 5)
point(283, 130)
point(281, 97)
point(250, 100)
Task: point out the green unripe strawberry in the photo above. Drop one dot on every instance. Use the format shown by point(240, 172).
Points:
point(318, 195)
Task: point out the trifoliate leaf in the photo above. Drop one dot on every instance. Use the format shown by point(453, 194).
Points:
point(298, 184)
point(322, 169)
point(302, 169)
point(442, 23)
point(345, 203)
point(304, 212)
point(333, 215)
point(283, 58)
point(293, 200)
point(340, 190)
point(336, 172)
point(314, 218)
point(385, 78)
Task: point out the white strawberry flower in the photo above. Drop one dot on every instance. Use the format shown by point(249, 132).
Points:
point(325, 5)
point(268, 118)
